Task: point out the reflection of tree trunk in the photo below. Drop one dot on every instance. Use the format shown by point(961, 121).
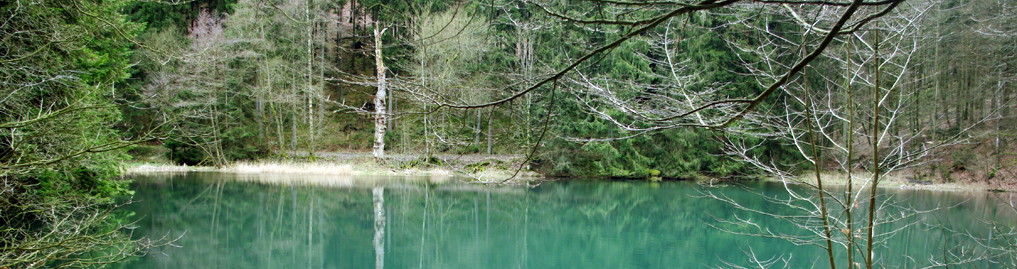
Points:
point(388, 228)
point(423, 225)
point(216, 211)
point(310, 229)
point(487, 228)
point(526, 231)
point(293, 224)
point(476, 218)
point(261, 214)
point(379, 227)
point(271, 236)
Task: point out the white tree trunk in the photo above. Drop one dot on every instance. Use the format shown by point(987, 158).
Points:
point(380, 115)
point(310, 79)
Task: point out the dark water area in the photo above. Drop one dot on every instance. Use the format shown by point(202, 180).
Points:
point(240, 221)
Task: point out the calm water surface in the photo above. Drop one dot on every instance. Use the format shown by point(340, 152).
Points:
point(240, 221)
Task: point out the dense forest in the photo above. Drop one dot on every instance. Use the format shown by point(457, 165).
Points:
point(223, 81)
point(585, 88)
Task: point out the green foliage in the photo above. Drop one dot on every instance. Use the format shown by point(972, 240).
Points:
point(458, 52)
point(158, 16)
point(585, 144)
point(479, 167)
point(82, 181)
point(236, 142)
point(60, 158)
point(962, 159)
point(144, 151)
point(183, 153)
point(673, 154)
point(470, 149)
point(61, 87)
point(241, 144)
point(237, 145)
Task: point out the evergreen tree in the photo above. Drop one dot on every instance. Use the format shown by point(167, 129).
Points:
point(61, 64)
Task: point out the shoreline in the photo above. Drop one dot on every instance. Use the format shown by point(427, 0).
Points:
point(490, 170)
point(486, 172)
point(894, 181)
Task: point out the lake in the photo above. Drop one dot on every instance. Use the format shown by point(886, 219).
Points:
point(226, 220)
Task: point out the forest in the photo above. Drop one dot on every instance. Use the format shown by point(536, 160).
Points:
point(614, 89)
point(633, 89)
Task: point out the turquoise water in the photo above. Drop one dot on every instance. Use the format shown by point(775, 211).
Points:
point(237, 221)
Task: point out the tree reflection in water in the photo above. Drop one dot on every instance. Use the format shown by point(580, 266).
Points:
point(415, 223)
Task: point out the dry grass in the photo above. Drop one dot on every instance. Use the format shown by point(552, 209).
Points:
point(355, 168)
point(306, 179)
point(303, 173)
point(148, 168)
point(892, 181)
point(291, 168)
point(333, 173)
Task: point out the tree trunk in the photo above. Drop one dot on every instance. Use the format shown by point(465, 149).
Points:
point(876, 104)
point(310, 79)
point(261, 118)
point(260, 106)
point(391, 110)
point(279, 129)
point(476, 134)
point(321, 90)
point(380, 116)
point(490, 140)
point(293, 124)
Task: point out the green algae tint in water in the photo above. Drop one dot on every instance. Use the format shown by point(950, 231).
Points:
point(239, 221)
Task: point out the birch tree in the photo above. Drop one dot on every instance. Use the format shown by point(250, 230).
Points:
point(380, 115)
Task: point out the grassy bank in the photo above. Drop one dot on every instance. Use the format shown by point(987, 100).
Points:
point(898, 181)
point(485, 171)
point(481, 168)
point(488, 171)
point(496, 168)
